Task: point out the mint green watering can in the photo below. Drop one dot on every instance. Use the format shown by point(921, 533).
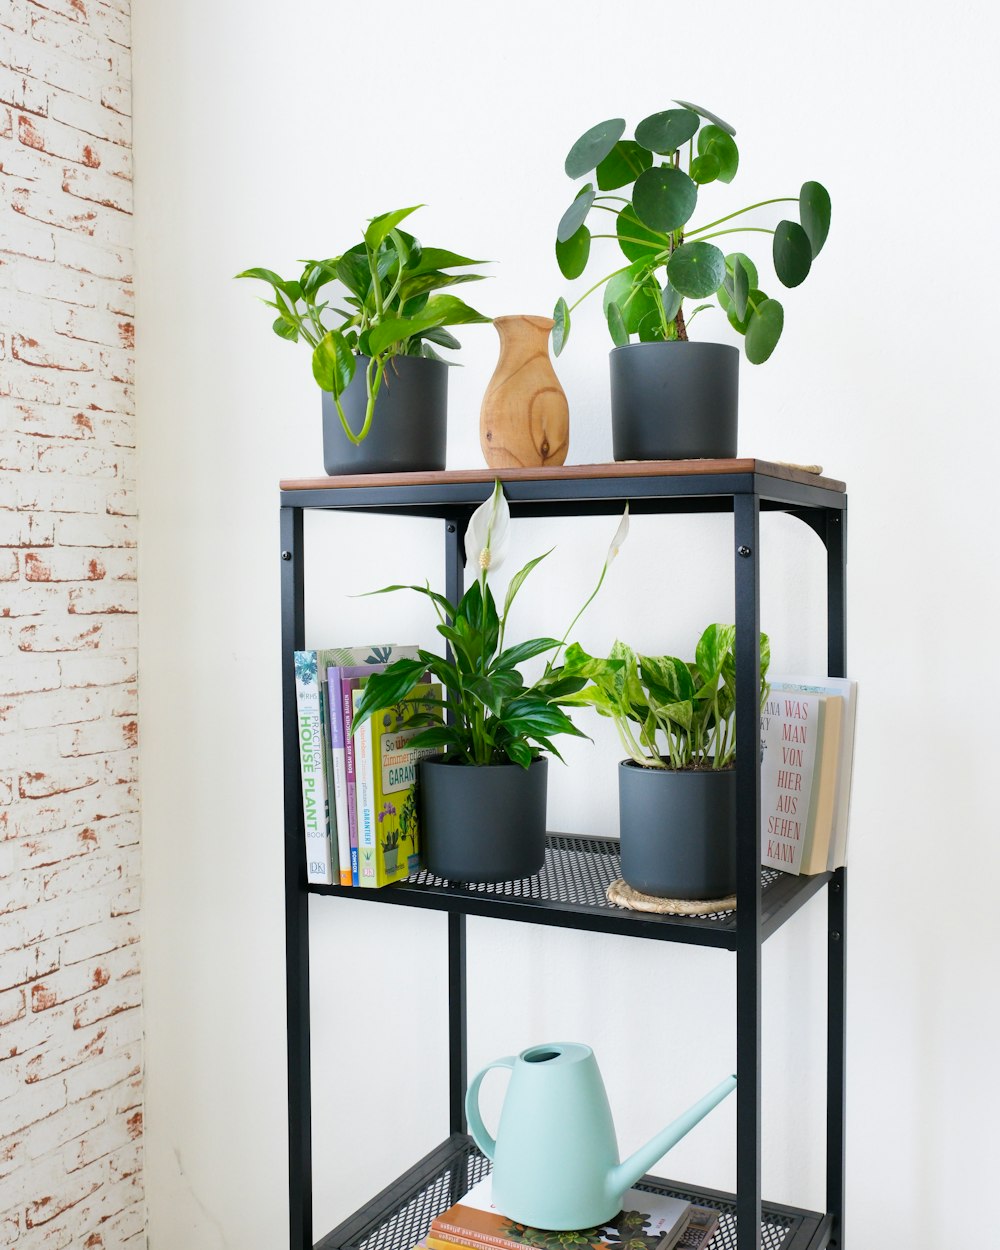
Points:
point(555, 1157)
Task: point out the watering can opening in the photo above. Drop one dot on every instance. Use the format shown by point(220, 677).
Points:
point(541, 1054)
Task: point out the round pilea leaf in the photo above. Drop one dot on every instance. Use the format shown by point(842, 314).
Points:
point(622, 165)
point(573, 254)
point(696, 269)
point(814, 213)
point(666, 132)
point(709, 117)
point(616, 325)
point(705, 169)
point(792, 253)
point(574, 216)
point(637, 241)
point(763, 330)
point(714, 141)
point(592, 147)
point(664, 198)
point(560, 331)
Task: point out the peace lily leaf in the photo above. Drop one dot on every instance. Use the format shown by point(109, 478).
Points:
point(622, 165)
point(814, 213)
point(666, 132)
point(380, 226)
point(513, 656)
point(573, 254)
point(709, 117)
point(637, 241)
point(664, 198)
point(387, 688)
point(517, 581)
point(696, 269)
point(616, 325)
point(560, 331)
point(574, 216)
point(333, 363)
point(763, 331)
point(792, 253)
point(592, 147)
point(671, 301)
point(716, 142)
point(705, 168)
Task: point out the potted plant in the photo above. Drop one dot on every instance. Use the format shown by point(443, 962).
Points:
point(670, 398)
point(384, 385)
point(677, 789)
point(482, 801)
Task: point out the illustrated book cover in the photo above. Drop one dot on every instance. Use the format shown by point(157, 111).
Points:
point(386, 788)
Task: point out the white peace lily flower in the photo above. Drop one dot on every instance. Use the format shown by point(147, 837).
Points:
point(488, 535)
point(621, 533)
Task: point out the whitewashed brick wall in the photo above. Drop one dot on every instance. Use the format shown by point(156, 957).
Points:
point(70, 1029)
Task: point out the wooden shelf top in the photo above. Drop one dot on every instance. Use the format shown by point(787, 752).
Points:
point(575, 472)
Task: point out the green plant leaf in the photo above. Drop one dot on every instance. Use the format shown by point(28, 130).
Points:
point(715, 141)
point(742, 283)
point(748, 265)
point(622, 165)
point(814, 213)
point(573, 254)
point(440, 258)
point(560, 331)
point(380, 226)
point(523, 651)
point(447, 608)
point(671, 301)
point(636, 240)
point(593, 146)
point(439, 310)
point(439, 335)
point(696, 269)
point(651, 328)
point(387, 688)
point(705, 168)
point(616, 325)
point(268, 276)
point(352, 269)
point(518, 580)
point(432, 280)
point(333, 363)
point(709, 117)
point(792, 253)
point(664, 198)
point(666, 132)
point(763, 330)
point(285, 329)
point(574, 216)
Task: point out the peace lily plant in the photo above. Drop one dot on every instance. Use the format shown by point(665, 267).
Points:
point(388, 282)
point(660, 174)
point(496, 716)
point(669, 713)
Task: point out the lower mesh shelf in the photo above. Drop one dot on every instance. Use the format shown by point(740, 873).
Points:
point(401, 1215)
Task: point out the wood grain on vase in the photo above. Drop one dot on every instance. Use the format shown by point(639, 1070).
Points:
point(524, 421)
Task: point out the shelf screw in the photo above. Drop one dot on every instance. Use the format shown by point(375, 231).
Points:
point(835, 936)
point(286, 555)
point(451, 529)
point(744, 551)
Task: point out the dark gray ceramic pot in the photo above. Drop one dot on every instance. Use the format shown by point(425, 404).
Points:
point(409, 429)
point(678, 830)
point(482, 823)
point(674, 401)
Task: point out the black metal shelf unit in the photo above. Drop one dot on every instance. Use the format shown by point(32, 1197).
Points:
point(569, 891)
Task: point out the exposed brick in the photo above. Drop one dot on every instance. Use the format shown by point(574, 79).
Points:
point(98, 188)
point(61, 353)
point(62, 565)
point(22, 93)
point(50, 421)
point(53, 210)
point(94, 326)
point(58, 778)
point(52, 493)
point(90, 117)
point(10, 568)
point(100, 938)
point(70, 38)
point(91, 531)
point(121, 502)
point(107, 598)
point(123, 996)
point(90, 258)
point(27, 530)
point(55, 139)
point(60, 637)
point(97, 738)
point(97, 670)
point(23, 237)
point(25, 676)
point(81, 461)
point(64, 707)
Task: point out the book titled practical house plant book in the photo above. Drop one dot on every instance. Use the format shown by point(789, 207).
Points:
point(647, 1221)
point(386, 787)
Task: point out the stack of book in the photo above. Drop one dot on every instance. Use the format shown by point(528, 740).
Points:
point(807, 741)
point(647, 1221)
point(358, 791)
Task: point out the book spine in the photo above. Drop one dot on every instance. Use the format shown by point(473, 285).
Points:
point(338, 771)
point(314, 799)
point(350, 774)
point(364, 765)
point(444, 1236)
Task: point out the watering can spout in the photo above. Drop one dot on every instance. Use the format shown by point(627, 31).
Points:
point(627, 1173)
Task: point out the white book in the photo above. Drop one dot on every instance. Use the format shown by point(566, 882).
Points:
point(789, 731)
point(315, 804)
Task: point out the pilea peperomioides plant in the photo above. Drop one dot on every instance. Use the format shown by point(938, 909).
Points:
point(674, 154)
point(389, 283)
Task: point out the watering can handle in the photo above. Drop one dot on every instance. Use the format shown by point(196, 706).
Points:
point(477, 1128)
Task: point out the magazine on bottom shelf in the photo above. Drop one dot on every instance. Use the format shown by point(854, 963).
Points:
point(386, 787)
point(647, 1221)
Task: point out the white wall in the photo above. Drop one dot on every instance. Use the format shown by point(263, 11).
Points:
point(263, 135)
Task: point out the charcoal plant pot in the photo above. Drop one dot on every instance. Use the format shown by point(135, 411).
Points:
point(678, 830)
point(674, 401)
point(484, 822)
point(409, 428)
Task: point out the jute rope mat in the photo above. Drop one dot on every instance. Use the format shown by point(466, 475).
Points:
point(623, 895)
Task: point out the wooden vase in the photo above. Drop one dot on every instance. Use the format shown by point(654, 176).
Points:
point(524, 421)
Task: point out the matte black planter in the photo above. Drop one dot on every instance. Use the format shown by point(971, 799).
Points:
point(409, 429)
point(674, 401)
point(482, 823)
point(678, 830)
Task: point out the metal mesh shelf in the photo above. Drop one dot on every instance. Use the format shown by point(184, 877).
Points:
point(571, 891)
point(401, 1215)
